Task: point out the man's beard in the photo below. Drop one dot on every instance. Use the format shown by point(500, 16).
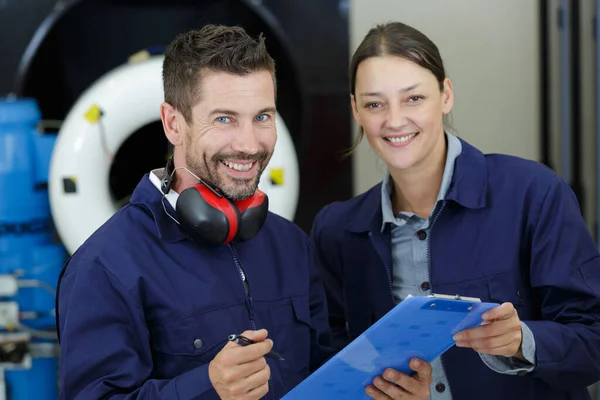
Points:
point(241, 188)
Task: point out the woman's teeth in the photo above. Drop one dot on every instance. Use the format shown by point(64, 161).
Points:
point(401, 139)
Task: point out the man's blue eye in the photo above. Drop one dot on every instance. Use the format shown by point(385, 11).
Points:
point(262, 117)
point(223, 119)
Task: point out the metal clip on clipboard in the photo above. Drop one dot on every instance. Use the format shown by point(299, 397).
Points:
point(455, 297)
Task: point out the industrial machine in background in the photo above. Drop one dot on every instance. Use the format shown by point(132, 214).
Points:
point(82, 40)
point(30, 257)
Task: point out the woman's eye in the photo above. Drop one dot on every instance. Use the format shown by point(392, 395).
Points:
point(414, 99)
point(372, 105)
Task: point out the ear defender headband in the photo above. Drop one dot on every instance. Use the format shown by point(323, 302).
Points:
point(208, 216)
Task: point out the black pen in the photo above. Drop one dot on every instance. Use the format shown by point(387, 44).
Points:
point(244, 341)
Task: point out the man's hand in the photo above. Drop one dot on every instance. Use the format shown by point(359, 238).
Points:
point(241, 372)
point(396, 385)
point(500, 334)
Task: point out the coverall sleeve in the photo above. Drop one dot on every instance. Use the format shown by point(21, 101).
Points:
point(565, 277)
point(321, 340)
point(513, 365)
point(332, 281)
point(105, 344)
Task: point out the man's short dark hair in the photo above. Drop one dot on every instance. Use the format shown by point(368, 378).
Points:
point(215, 48)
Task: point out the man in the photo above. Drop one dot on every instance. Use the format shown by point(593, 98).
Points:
point(146, 305)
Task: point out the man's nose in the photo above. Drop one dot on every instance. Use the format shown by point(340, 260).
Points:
point(245, 140)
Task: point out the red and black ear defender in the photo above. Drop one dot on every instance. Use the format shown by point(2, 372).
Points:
point(207, 216)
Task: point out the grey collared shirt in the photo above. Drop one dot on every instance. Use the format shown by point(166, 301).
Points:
point(411, 270)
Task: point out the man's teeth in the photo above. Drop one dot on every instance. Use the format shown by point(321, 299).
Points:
point(401, 139)
point(239, 167)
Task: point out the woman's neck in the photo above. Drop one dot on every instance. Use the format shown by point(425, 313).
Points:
point(416, 189)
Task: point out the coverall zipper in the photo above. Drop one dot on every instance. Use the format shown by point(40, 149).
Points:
point(249, 305)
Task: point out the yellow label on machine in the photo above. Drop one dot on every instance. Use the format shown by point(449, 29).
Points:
point(93, 114)
point(277, 176)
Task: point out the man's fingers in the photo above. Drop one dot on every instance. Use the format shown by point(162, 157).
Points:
point(251, 382)
point(242, 354)
point(252, 352)
point(259, 392)
point(259, 378)
point(503, 311)
point(247, 369)
point(257, 336)
point(242, 371)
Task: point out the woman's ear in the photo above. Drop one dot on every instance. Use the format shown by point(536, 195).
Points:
point(172, 122)
point(447, 97)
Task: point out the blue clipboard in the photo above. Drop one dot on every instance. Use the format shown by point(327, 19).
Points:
point(419, 326)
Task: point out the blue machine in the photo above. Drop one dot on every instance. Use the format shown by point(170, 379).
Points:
point(30, 257)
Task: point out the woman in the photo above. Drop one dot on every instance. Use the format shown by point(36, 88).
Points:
point(448, 219)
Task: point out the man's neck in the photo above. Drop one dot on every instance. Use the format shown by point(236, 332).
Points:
point(416, 190)
point(183, 179)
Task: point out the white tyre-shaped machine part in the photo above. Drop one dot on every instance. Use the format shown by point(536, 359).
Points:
point(129, 97)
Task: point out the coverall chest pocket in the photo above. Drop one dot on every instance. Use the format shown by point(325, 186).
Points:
point(183, 344)
point(498, 288)
point(291, 338)
point(506, 287)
